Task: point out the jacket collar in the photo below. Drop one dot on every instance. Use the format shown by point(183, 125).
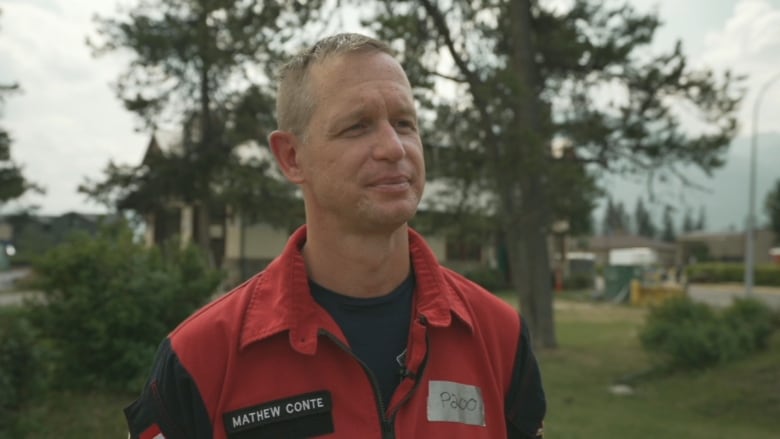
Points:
point(280, 299)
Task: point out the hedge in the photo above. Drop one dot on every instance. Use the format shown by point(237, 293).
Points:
point(718, 272)
point(22, 368)
point(109, 301)
point(682, 334)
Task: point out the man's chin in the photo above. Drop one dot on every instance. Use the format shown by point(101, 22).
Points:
point(388, 220)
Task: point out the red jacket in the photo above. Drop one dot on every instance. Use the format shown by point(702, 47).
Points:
point(266, 360)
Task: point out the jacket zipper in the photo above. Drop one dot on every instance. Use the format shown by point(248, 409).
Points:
point(417, 377)
point(388, 429)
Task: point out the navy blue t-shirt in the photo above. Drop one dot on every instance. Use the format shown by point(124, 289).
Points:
point(377, 329)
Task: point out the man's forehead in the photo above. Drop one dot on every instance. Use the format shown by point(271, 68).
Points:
point(356, 66)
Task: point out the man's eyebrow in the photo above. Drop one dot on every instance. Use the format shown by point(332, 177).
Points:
point(357, 112)
point(408, 109)
point(337, 122)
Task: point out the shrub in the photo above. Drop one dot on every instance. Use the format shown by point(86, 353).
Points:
point(22, 372)
point(492, 279)
point(689, 335)
point(752, 321)
point(684, 334)
point(579, 281)
point(719, 272)
point(109, 301)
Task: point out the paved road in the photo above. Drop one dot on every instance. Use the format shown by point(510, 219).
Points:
point(7, 278)
point(7, 281)
point(17, 298)
point(722, 295)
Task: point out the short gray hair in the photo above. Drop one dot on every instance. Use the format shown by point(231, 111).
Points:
point(294, 101)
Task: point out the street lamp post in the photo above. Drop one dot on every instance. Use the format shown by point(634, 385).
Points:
point(751, 219)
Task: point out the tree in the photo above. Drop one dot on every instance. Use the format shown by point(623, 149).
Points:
point(198, 65)
point(525, 74)
point(12, 183)
point(643, 220)
point(668, 233)
point(772, 208)
point(615, 219)
point(688, 224)
point(701, 222)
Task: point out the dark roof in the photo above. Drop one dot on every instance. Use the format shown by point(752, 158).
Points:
point(608, 242)
point(721, 236)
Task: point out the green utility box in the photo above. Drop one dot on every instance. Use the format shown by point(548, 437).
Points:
point(4, 264)
point(617, 281)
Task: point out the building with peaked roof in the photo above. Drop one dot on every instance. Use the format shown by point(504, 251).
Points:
point(724, 246)
point(242, 246)
point(602, 245)
point(33, 235)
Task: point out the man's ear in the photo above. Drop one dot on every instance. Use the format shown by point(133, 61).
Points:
point(284, 146)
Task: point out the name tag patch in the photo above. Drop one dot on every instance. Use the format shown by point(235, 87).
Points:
point(276, 411)
point(449, 401)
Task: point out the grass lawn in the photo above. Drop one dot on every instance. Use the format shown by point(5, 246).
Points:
point(598, 345)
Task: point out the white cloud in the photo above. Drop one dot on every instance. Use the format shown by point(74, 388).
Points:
point(66, 124)
point(749, 43)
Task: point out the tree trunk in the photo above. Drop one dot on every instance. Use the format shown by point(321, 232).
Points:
point(517, 157)
point(207, 152)
point(526, 202)
point(203, 236)
point(531, 275)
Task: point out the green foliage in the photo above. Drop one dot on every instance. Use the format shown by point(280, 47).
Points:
point(530, 78)
point(752, 322)
point(772, 208)
point(668, 232)
point(643, 220)
point(722, 272)
point(616, 218)
point(579, 281)
point(12, 183)
point(492, 279)
point(689, 224)
point(201, 65)
point(684, 333)
point(22, 372)
point(699, 251)
point(109, 301)
point(688, 335)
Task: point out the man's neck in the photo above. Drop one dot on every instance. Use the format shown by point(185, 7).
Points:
point(357, 265)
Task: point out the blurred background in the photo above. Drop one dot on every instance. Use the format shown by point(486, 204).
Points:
point(612, 168)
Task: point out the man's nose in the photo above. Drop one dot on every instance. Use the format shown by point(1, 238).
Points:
point(388, 144)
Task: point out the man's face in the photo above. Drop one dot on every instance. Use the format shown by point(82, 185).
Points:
point(361, 158)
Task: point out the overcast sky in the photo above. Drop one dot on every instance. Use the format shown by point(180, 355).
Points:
point(67, 124)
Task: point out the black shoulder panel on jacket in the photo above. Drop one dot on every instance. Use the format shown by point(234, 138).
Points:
point(525, 403)
point(170, 402)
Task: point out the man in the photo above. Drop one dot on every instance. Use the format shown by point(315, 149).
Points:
point(354, 331)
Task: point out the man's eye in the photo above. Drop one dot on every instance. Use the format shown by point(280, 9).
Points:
point(355, 128)
point(406, 124)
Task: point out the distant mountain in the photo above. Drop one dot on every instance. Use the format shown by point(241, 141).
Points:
point(726, 199)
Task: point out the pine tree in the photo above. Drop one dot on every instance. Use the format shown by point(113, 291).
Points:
point(772, 208)
point(668, 233)
point(643, 220)
point(688, 224)
point(13, 184)
point(201, 65)
point(525, 74)
point(701, 222)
